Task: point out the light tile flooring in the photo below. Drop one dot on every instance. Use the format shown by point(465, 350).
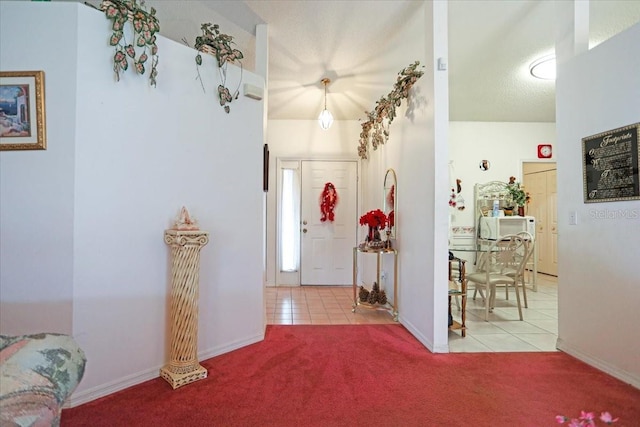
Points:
point(331, 305)
point(318, 305)
point(504, 331)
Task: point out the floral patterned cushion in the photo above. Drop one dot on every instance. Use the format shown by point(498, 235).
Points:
point(37, 374)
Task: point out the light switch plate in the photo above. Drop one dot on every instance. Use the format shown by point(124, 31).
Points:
point(573, 218)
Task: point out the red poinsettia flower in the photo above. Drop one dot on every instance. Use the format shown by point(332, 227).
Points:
point(374, 218)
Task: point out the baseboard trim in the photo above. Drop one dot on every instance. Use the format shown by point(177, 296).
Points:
point(103, 390)
point(423, 340)
point(599, 364)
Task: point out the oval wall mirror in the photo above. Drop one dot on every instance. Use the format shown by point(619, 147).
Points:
point(390, 201)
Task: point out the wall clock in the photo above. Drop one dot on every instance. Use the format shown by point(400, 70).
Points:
point(544, 151)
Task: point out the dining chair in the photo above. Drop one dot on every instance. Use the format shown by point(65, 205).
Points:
point(504, 256)
point(525, 252)
point(523, 256)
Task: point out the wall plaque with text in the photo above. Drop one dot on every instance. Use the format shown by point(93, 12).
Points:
point(610, 165)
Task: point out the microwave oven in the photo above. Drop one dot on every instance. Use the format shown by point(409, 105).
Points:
point(492, 227)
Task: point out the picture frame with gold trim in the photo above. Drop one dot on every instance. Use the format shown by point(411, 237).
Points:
point(22, 111)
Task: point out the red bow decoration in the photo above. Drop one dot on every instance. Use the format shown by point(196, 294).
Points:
point(328, 201)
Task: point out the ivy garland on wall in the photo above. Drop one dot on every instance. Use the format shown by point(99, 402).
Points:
point(215, 43)
point(145, 26)
point(376, 129)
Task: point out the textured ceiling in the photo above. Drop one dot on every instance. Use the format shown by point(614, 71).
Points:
point(353, 43)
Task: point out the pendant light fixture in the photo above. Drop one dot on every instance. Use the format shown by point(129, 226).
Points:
point(325, 118)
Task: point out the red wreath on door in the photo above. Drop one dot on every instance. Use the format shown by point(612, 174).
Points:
point(328, 202)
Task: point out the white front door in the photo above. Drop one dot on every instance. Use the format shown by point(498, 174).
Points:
point(326, 247)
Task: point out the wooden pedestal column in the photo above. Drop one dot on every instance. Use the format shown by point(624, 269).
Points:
point(185, 271)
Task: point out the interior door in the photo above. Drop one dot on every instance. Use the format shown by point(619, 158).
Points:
point(552, 199)
point(540, 181)
point(326, 247)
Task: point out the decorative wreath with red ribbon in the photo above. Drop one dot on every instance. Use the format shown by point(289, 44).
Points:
point(328, 202)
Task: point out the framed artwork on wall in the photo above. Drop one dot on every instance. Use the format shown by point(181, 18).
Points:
point(22, 113)
point(610, 163)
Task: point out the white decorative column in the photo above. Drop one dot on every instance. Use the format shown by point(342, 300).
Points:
point(183, 367)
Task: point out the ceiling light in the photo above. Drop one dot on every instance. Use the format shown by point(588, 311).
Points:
point(325, 118)
point(544, 68)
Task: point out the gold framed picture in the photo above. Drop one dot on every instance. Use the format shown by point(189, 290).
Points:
point(22, 115)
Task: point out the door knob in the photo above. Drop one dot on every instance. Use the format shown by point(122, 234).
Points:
point(304, 222)
point(304, 230)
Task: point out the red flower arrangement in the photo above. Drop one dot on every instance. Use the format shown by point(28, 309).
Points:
point(374, 218)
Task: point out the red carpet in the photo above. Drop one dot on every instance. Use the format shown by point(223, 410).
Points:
point(361, 375)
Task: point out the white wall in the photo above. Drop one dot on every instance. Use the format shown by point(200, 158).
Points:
point(505, 145)
point(424, 161)
point(36, 187)
point(122, 158)
point(417, 150)
point(599, 296)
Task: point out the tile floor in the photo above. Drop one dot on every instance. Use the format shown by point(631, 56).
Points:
point(331, 305)
point(318, 305)
point(504, 331)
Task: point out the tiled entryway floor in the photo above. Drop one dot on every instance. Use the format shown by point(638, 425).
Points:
point(332, 305)
point(318, 305)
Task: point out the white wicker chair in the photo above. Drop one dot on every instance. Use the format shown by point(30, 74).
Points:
point(503, 263)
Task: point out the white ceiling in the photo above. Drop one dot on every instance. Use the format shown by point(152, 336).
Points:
point(491, 44)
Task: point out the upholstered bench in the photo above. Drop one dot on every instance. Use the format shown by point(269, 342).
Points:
point(37, 374)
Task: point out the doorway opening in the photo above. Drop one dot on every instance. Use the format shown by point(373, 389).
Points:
point(539, 330)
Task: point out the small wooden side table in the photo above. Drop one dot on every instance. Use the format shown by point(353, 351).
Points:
point(183, 367)
point(462, 293)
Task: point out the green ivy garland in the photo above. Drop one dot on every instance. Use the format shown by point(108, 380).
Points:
point(375, 129)
point(214, 42)
point(145, 26)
